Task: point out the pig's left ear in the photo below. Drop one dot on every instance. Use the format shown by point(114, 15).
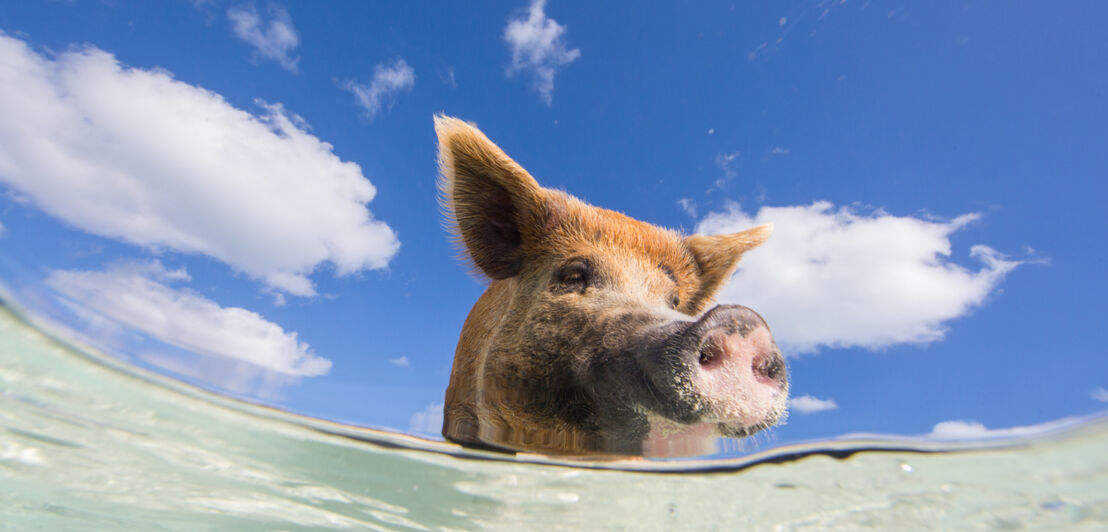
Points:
point(718, 255)
point(493, 206)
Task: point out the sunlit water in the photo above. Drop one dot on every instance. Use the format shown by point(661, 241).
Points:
point(90, 444)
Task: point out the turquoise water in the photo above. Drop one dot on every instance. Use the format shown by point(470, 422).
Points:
point(87, 443)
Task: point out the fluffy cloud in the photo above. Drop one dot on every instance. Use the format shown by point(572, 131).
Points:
point(429, 421)
point(834, 277)
point(806, 404)
point(274, 39)
point(1100, 394)
point(387, 80)
point(972, 430)
point(135, 155)
point(538, 48)
point(401, 362)
point(138, 295)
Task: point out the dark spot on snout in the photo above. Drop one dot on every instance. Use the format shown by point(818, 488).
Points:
point(713, 350)
point(732, 319)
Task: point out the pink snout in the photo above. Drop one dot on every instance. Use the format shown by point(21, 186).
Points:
point(739, 368)
point(735, 338)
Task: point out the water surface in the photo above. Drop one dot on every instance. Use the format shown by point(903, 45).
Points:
point(90, 443)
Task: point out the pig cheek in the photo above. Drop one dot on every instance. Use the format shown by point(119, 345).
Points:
point(556, 338)
point(735, 394)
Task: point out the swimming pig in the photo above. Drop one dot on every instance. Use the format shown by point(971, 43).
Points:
point(592, 336)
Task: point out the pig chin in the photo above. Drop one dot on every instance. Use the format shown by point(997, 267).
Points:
point(722, 370)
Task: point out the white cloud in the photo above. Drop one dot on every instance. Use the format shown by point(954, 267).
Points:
point(401, 362)
point(973, 430)
point(135, 155)
point(1100, 394)
point(273, 39)
point(688, 205)
point(726, 162)
point(449, 79)
point(806, 404)
point(837, 278)
point(137, 295)
point(387, 80)
point(429, 421)
point(538, 48)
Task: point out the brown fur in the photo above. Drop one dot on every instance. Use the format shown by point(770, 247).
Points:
point(525, 332)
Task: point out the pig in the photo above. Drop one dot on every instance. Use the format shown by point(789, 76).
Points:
point(592, 337)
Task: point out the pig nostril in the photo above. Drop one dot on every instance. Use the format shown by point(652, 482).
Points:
point(769, 366)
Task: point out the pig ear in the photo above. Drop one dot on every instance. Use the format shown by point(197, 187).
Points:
point(718, 256)
point(488, 199)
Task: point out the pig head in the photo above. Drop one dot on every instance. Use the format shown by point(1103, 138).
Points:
point(595, 334)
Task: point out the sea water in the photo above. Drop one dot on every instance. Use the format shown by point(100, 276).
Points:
point(90, 443)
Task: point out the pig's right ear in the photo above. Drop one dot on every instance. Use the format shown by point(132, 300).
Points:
point(717, 256)
point(488, 199)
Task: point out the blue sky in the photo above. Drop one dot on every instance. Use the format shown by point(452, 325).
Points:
point(242, 194)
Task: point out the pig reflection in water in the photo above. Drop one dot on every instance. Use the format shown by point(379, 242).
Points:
point(592, 337)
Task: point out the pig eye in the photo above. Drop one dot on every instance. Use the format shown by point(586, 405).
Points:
point(573, 276)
